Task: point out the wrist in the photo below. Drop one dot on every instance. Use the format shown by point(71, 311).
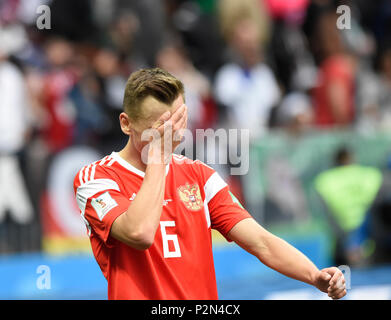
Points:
point(313, 276)
point(155, 167)
point(158, 156)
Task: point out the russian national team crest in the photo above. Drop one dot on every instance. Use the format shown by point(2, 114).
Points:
point(190, 195)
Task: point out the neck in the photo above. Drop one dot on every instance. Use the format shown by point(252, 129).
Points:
point(131, 155)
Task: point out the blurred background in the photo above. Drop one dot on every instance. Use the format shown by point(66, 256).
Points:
point(316, 99)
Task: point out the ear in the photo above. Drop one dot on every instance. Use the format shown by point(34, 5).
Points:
point(126, 125)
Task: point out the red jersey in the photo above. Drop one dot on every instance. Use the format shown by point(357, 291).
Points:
point(179, 264)
point(59, 130)
point(334, 69)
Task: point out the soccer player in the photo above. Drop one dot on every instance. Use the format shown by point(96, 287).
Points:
point(149, 213)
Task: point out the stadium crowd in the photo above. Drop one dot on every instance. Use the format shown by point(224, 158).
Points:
point(263, 65)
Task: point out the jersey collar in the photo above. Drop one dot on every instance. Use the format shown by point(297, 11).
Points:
point(129, 167)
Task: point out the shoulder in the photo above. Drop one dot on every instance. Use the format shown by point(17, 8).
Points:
point(95, 175)
point(93, 179)
point(187, 163)
point(206, 175)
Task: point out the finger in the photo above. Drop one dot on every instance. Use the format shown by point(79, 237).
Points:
point(178, 114)
point(340, 295)
point(325, 276)
point(340, 283)
point(336, 277)
point(333, 272)
point(335, 292)
point(179, 132)
point(163, 118)
point(168, 127)
point(181, 122)
point(186, 120)
point(173, 110)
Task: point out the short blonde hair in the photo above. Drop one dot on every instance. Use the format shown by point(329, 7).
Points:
point(154, 82)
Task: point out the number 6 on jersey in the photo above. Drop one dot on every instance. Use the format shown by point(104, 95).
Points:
point(169, 237)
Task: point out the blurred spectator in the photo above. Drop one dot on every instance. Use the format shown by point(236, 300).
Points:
point(289, 48)
point(246, 85)
point(348, 190)
point(122, 33)
point(73, 20)
point(58, 129)
point(109, 76)
point(315, 9)
point(374, 94)
point(15, 125)
point(334, 93)
point(385, 88)
point(137, 27)
point(376, 17)
point(196, 23)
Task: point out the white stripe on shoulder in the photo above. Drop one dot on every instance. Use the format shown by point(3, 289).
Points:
point(92, 176)
point(111, 162)
point(81, 176)
point(207, 215)
point(86, 173)
point(103, 160)
point(107, 161)
point(214, 184)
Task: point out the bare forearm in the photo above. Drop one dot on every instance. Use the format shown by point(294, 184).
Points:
point(279, 255)
point(137, 226)
point(143, 214)
point(273, 251)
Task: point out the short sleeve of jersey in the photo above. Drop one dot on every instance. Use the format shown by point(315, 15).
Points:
point(224, 209)
point(225, 213)
point(100, 202)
